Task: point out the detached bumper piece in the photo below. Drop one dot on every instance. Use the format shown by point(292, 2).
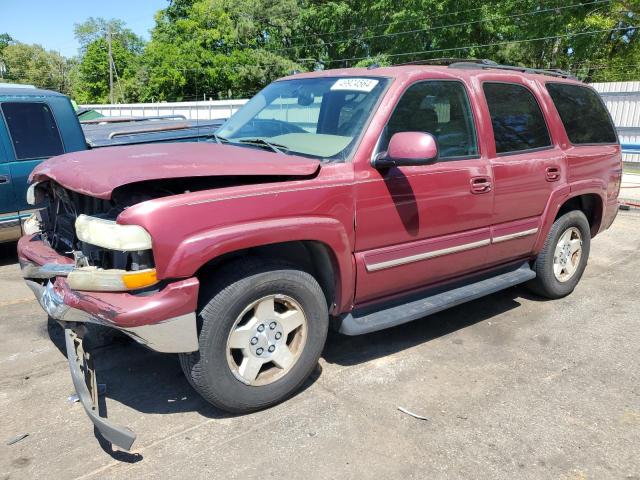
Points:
point(86, 385)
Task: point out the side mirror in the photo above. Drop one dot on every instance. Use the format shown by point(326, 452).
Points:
point(408, 149)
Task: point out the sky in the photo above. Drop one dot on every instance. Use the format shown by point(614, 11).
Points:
point(50, 22)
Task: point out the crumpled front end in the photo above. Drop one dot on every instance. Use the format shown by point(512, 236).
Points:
point(83, 268)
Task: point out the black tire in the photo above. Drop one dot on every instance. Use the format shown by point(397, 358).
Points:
point(546, 284)
point(232, 289)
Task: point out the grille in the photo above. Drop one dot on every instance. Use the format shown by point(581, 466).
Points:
point(57, 222)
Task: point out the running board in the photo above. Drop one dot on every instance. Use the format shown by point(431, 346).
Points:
point(357, 323)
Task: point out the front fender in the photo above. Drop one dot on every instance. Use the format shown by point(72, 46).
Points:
point(195, 251)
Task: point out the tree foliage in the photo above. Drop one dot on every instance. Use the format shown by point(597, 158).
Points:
point(232, 48)
point(32, 64)
point(92, 76)
point(216, 48)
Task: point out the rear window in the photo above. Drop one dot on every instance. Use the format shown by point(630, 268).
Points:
point(518, 123)
point(32, 129)
point(583, 114)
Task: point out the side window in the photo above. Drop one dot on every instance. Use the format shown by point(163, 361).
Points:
point(518, 123)
point(33, 131)
point(440, 108)
point(583, 114)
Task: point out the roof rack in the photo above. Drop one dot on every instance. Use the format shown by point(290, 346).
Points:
point(443, 61)
point(486, 64)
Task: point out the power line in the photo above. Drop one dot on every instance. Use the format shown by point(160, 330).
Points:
point(493, 44)
point(440, 27)
point(397, 22)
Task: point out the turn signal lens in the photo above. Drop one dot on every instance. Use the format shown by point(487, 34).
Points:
point(93, 279)
point(141, 279)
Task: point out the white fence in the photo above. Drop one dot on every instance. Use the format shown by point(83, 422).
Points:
point(623, 101)
point(204, 110)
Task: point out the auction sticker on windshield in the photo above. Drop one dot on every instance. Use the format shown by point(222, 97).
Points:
point(355, 84)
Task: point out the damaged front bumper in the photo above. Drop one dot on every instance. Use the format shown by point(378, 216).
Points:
point(125, 312)
point(163, 320)
point(86, 385)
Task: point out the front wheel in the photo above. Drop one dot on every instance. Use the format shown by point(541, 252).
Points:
point(263, 330)
point(563, 258)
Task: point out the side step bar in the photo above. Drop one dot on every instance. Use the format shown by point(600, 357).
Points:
point(357, 323)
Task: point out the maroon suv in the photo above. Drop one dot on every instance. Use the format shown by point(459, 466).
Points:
point(357, 198)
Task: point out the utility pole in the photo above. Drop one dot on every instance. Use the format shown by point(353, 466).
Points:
point(110, 65)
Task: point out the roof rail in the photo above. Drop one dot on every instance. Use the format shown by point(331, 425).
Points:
point(443, 61)
point(486, 64)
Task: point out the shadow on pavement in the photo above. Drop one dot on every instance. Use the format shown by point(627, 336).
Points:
point(153, 383)
point(345, 350)
point(8, 253)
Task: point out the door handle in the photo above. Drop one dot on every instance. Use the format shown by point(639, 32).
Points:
point(480, 185)
point(553, 174)
point(4, 179)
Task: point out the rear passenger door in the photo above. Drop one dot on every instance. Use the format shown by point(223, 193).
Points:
point(527, 165)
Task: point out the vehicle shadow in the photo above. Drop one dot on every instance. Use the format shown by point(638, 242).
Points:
point(153, 383)
point(346, 351)
point(8, 253)
point(147, 381)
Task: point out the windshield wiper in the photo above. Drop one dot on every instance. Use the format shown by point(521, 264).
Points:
point(220, 139)
point(261, 142)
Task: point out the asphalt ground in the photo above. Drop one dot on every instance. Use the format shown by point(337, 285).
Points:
point(511, 386)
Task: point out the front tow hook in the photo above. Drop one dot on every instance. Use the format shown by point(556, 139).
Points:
point(84, 380)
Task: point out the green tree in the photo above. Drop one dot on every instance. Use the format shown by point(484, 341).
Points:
point(216, 48)
point(32, 64)
point(593, 38)
point(92, 84)
point(5, 41)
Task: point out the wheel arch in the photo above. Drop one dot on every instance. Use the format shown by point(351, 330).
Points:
point(314, 257)
point(590, 201)
point(319, 246)
point(591, 204)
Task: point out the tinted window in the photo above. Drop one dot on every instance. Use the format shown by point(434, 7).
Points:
point(583, 114)
point(33, 131)
point(518, 123)
point(440, 108)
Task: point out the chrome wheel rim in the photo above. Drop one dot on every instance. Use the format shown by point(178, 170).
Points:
point(266, 340)
point(567, 255)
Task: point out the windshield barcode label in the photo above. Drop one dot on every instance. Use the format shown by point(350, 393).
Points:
point(355, 84)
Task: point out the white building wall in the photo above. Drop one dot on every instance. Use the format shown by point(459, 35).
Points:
point(623, 101)
point(204, 110)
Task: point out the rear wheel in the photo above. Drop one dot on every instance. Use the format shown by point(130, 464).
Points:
point(262, 332)
point(563, 258)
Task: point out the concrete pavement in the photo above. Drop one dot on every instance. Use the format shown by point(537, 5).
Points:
point(512, 386)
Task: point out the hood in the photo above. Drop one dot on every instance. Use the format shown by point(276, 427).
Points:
point(98, 172)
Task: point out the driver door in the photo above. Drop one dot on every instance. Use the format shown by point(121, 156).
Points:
point(417, 226)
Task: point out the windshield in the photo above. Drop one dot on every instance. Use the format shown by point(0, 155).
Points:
point(316, 117)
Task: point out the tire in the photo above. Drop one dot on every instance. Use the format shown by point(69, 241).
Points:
point(216, 369)
point(548, 282)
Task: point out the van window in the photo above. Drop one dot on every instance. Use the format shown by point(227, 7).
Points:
point(583, 114)
point(440, 108)
point(518, 123)
point(32, 129)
